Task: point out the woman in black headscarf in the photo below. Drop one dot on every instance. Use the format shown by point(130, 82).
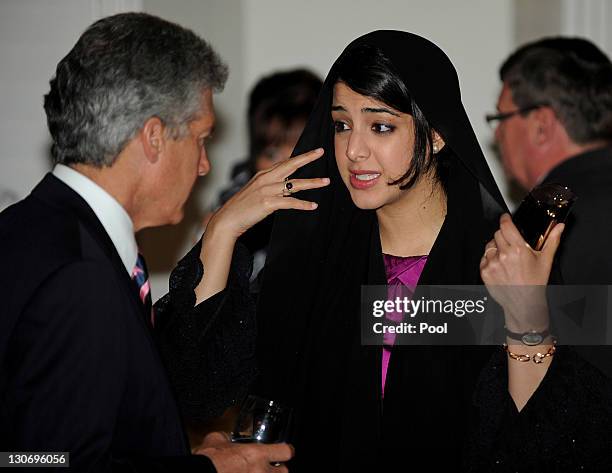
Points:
point(409, 187)
point(411, 200)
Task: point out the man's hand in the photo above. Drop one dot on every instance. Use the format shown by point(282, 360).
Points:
point(231, 457)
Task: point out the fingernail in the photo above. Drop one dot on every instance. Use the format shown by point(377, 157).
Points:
point(326, 180)
point(319, 150)
point(314, 205)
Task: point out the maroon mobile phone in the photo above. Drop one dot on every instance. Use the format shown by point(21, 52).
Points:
point(544, 207)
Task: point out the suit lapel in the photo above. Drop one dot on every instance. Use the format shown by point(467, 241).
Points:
point(52, 191)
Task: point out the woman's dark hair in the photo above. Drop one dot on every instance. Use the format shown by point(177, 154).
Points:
point(367, 71)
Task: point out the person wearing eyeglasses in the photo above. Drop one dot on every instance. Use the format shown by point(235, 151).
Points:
point(554, 124)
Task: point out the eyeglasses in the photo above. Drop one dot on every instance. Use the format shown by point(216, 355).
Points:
point(500, 117)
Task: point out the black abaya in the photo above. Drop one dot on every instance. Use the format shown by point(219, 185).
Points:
point(445, 408)
point(310, 351)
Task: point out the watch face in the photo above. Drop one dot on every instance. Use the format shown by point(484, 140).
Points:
point(532, 338)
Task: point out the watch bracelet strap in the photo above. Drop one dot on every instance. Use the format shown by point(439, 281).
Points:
point(519, 336)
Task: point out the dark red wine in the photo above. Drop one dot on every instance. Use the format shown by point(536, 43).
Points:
point(544, 207)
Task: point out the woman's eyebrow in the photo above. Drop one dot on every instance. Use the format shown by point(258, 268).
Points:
point(379, 110)
point(340, 108)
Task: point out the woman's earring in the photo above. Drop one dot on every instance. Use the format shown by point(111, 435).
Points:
point(436, 148)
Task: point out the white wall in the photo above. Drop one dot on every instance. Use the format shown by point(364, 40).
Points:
point(34, 36)
point(589, 19)
point(585, 18)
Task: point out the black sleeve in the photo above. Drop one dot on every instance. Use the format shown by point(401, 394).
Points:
point(209, 349)
point(565, 426)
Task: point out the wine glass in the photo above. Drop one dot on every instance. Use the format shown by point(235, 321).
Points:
point(262, 421)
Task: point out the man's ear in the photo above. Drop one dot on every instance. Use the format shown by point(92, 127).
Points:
point(542, 125)
point(437, 142)
point(153, 138)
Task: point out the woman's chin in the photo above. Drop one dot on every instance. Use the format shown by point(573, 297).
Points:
point(366, 202)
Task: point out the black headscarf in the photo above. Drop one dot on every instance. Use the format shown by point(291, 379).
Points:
point(309, 314)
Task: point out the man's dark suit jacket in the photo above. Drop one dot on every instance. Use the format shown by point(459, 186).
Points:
point(79, 370)
point(584, 255)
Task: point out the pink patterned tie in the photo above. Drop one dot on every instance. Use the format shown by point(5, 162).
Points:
point(140, 276)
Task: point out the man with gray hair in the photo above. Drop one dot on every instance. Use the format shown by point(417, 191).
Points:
point(129, 110)
point(554, 124)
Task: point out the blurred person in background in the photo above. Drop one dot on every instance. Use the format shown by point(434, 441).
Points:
point(279, 105)
point(554, 124)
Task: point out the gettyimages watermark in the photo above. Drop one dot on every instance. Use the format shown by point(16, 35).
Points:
point(471, 315)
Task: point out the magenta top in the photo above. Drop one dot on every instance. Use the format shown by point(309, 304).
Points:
point(401, 271)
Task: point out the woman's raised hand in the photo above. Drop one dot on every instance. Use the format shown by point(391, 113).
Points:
point(266, 192)
point(516, 275)
point(509, 260)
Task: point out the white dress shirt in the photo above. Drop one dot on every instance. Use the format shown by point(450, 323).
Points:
point(111, 213)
